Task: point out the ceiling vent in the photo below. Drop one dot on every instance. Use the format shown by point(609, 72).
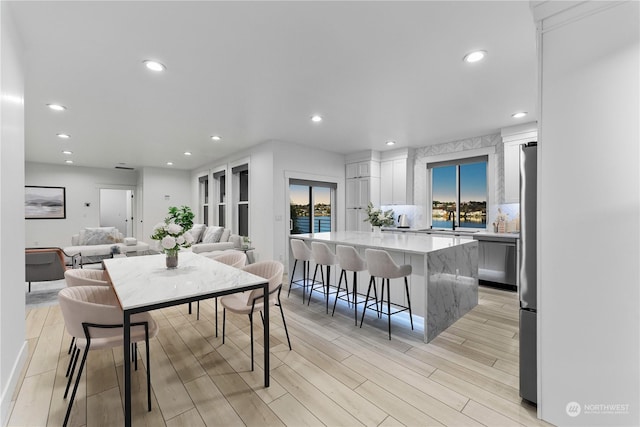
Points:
point(125, 168)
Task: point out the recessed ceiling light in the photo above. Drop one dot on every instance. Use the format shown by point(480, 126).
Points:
point(67, 152)
point(216, 138)
point(316, 118)
point(57, 107)
point(390, 143)
point(63, 135)
point(69, 162)
point(476, 56)
point(519, 114)
point(187, 153)
point(169, 163)
point(154, 65)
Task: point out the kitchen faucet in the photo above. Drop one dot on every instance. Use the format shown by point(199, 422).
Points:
point(452, 217)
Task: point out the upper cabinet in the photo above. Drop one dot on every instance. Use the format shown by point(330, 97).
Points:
point(396, 178)
point(363, 186)
point(363, 169)
point(512, 138)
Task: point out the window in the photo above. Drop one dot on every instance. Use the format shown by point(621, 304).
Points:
point(459, 193)
point(241, 184)
point(304, 194)
point(204, 198)
point(221, 196)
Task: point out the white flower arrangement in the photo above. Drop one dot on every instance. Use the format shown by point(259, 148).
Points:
point(173, 233)
point(377, 217)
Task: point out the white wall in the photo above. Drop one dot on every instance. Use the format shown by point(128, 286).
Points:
point(13, 348)
point(589, 214)
point(269, 165)
point(82, 186)
point(162, 188)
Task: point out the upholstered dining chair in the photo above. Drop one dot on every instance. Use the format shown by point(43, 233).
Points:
point(92, 315)
point(235, 259)
point(85, 277)
point(250, 302)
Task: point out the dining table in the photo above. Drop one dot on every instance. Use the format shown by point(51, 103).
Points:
point(144, 283)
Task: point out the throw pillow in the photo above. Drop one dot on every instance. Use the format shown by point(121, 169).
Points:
point(82, 237)
point(100, 235)
point(197, 231)
point(225, 235)
point(212, 234)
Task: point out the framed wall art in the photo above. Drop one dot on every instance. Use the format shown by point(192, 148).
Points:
point(44, 202)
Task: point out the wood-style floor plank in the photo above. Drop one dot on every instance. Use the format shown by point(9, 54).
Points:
point(336, 374)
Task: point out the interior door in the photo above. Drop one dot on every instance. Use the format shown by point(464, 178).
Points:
point(116, 210)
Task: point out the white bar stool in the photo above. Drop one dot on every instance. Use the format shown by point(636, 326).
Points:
point(301, 252)
point(382, 265)
point(349, 260)
point(323, 256)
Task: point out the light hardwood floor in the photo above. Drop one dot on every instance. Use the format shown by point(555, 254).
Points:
point(336, 375)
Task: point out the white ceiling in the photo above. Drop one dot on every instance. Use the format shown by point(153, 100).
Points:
point(256, 71)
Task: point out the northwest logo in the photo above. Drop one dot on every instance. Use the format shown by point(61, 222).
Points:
point(573, 409)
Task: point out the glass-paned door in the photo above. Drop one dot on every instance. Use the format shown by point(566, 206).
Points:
point(311, 206)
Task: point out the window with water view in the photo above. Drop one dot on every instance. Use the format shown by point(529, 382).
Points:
point(302, 196)
point(459, 192)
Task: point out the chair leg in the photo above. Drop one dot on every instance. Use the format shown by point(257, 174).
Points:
point(406, 288)
point(224, 322)
point(366, 300)
point(198, 310)
point(75, 387)
point(327, 289)
point(355, 296)
point(284, 322)
point(251, 321)
point(335, 301)
point(381, 300)
point(73, 369)
point(71, 358)
point(314, 281)
point(215, 301)
point(292, 274)
point(73, 340)
point(388, 306)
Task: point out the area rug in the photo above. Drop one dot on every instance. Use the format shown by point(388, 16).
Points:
point(42, 293)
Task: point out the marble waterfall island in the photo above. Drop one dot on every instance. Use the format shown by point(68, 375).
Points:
point(443, 286)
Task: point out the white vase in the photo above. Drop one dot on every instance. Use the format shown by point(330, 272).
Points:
point(377, 230)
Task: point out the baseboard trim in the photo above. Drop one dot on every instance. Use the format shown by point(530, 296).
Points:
point(7, 393)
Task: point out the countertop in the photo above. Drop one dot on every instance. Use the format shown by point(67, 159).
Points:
point(480, 235)
point(412, 243)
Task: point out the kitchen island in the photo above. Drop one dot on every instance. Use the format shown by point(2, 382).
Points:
point(444, 280)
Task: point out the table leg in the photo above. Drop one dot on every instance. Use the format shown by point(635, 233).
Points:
point(266, 334)
point(127, 368)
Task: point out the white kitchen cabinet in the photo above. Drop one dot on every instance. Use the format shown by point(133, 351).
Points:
point(512, 138)
point(512, 172)
point(396, 187)
point(363, 169)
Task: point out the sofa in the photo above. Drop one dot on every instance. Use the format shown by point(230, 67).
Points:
point(213, 239)
point(95, 243)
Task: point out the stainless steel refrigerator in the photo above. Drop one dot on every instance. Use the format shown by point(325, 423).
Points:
point(527, 288)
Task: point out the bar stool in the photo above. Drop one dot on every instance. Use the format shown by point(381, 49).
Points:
point(382, 265)
point(323, 256)
point(349, 260)
point(300, 252)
